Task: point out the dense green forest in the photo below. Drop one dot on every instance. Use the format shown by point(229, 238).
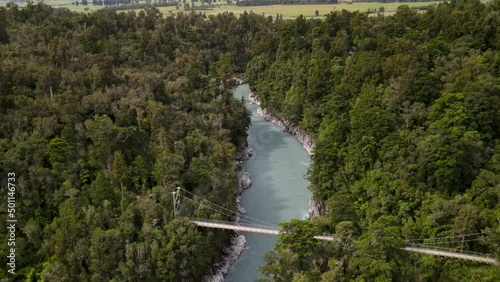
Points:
point(102, 115)
point(405, 111)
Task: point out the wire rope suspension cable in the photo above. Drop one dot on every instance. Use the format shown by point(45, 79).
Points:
point(448, 242)
point(231, 211)
point(447, 237)
point(221, 212)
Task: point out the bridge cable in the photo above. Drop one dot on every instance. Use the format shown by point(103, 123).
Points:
point(231, 211)
point(220, 212)
point(207, 206)
point(447, 237)
point(244, 221)
point(449, 242)
point(452, 250)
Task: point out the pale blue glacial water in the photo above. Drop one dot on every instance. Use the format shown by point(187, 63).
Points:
point(279, 190)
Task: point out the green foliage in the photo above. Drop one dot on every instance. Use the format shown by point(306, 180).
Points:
point(59, 151)
point(102, 189)
point(293, 253)
point(101, 115)
point(404, 113)
point(383, 259)
point(298, 236)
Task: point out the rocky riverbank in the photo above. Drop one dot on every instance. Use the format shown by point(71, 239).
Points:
point(304, 139)
point(314, 208)
point(231, 255)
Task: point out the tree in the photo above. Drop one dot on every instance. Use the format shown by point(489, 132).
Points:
point(106, 251)
point(281, 265)
point(106, 138)
point(102, 190)
point(381, 257)
point(293, 252)
point(456, 148)
point(120, 171)
point(167, 169)
point(200, 172)
point(184, 254)
point(4, 36)
point(139, 173)
point(59, 151)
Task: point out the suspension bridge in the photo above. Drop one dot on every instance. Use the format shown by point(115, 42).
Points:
point(244, 223)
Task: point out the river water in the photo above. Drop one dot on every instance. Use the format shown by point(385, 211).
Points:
point(279, 191)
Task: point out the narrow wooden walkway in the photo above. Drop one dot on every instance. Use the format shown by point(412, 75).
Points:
point(254, 229)
point(270, 230)
point(441, 253)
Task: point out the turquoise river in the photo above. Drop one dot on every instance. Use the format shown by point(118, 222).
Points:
point(279, 190)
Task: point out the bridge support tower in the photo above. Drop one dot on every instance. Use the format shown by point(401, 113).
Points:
point(177, 201)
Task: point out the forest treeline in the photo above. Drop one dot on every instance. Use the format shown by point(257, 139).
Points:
point(310, 2)
point(101, 117)
point(405, 111)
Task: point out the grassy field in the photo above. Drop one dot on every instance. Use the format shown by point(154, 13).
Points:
point(288, 11)
point(309, 10)
point(59, 4)
point(292, 11)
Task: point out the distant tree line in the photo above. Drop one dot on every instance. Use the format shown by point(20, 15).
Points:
point(302, 2)
point(132, 4)
point(282, 2)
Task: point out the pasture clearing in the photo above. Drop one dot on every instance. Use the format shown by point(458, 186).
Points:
point(287, 11)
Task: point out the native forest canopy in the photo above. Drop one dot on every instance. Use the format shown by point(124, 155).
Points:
point(102, 115)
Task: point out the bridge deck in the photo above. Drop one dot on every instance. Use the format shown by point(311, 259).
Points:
point(260, 229)
point(457, 255)
point(275, 231)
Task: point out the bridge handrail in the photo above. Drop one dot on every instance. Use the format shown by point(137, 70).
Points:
point(249, 225)
point(451, 250)
point(419, 248)
point(237, 224)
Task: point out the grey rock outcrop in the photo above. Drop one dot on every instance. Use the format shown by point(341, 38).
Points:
point(304, 139)
point(314, 209)
point(244, 179)
point(252, 99)
point(231, 255)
